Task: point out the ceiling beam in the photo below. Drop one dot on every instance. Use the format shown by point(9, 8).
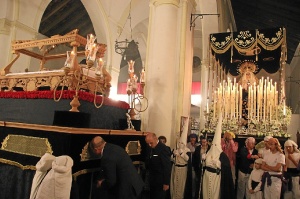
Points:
point(73, 23)
point(54, 10)
point(58, 20)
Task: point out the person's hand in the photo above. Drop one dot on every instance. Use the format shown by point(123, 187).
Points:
point(254, 156)
point(175, 152)
point(251, 166)
point(99, 183)
point(251, 191)
point(180, 151)
point(166, 187)
point(290, 157)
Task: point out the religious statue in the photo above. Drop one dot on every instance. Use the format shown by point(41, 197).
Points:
point(129, 123)
point(247, 70)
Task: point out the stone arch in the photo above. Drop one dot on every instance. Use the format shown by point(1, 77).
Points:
point(41, 9)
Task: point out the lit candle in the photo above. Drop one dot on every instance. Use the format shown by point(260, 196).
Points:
point(70, 59)
point(99, 68)
point(254, 100)
point(249, 102)
point(90, 42)
point(265, 98)
point(276, 103)
point(92, 53)
point(215, 101)
point(134, 82)
point(241, 101)
point(131, 67)
point(129, 86)
point(142, 76)
point(258, 102)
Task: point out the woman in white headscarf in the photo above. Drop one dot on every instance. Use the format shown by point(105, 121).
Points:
point(292, 158)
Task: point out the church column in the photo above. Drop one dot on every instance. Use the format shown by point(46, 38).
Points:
point(204, 91)
point(185, 63)
point(210, 24)
point(165, 67)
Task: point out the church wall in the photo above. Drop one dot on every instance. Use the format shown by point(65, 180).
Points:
point(294, 126)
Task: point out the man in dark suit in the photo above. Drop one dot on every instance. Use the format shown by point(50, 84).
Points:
point(121, 179)
point(159, 166)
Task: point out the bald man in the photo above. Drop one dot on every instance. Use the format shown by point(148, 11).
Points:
point(121, 179)
point(159, 166)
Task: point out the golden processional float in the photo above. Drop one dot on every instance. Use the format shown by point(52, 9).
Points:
point(242, 83)
point(90, 76)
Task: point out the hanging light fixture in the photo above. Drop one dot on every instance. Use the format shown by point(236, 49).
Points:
point(123, 47)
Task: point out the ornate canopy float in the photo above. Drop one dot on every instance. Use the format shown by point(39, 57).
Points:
point(90, 76)
point(243, 72)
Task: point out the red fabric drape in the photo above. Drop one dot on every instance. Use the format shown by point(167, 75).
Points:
point(65, 95)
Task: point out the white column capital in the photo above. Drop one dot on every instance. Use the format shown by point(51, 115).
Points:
point(161, 2)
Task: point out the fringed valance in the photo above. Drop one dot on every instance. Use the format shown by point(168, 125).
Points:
point(265, 47)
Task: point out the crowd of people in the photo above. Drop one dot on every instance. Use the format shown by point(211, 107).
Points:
point(204, 169)
point(254, 170)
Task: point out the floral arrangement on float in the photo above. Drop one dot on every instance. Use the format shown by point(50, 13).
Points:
point(276, 127)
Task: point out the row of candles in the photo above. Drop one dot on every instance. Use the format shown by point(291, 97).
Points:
point(263, 100)
point(262, 103)
point(228, 98)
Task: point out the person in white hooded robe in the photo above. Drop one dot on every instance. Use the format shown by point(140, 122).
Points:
point(58, 181)
point(179, 171)
point(217, 178)
point(42, 168)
